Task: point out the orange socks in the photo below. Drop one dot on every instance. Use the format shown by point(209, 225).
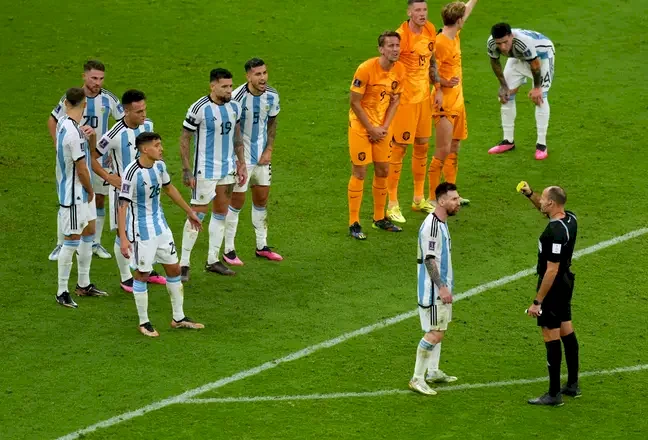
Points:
point(395, 167)
point(450, 168)
point(419, 164)
point(354, 192)
point(380, 197)
point(434, 175)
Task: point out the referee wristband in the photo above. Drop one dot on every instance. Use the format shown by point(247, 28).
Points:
point(536, 302)
point(530, 194)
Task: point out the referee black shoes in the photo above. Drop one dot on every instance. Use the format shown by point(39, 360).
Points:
point(548, 399)
point(571, 390)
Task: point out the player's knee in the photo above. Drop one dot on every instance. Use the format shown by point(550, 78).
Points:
point(172, 270)
point(141, 276)
point(434, 337)
point(454, 146)
point(421, 141)
point(359, 171)
point(566, 328)
point(238, 200)
point(402, 147)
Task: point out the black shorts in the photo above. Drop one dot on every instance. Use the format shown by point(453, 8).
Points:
point(556, 307)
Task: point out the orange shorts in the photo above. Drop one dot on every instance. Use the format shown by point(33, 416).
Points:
point(412, 121)
point(364, 152)
point(454, 110)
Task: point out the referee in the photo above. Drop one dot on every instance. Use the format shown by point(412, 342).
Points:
point(552, 302)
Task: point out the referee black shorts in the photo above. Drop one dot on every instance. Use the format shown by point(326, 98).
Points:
point(556, 307)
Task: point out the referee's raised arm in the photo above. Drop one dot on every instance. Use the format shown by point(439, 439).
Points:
point(526, 190)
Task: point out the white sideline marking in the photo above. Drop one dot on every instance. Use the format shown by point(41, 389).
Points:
point(326, 344)
point(469, 386)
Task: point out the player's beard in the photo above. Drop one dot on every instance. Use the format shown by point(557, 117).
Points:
point(226, 99)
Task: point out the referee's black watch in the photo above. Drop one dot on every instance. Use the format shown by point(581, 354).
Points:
point(536, 302)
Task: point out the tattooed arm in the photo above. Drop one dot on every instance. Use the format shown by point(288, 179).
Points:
point(434, 77)
point(435, 276)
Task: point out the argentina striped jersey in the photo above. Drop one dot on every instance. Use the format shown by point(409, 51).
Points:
point(141, 187)
point(527, 45)
point(71, 146)
point(433, 241)
point(255, 112)
point(214, 127)
point(119, 143)
point(96, 114)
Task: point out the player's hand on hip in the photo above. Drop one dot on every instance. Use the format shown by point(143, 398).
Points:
point(195, 221)
point(188, 179)
point(445, 295)
point(536, 96)
point(504, 94)
point(125, 248)
point(534, 311)
point(87, 130)
point(114, 180)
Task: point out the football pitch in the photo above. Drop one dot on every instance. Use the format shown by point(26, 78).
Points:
point(322, 344)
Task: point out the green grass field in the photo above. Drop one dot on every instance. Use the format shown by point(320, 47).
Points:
point(64, 370)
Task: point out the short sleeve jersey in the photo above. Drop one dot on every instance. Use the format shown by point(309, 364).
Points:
point(416, 51)
point(376, 85)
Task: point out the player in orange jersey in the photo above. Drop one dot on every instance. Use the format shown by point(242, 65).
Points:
point(413, 121)
point(375, 94)
point(450, 119)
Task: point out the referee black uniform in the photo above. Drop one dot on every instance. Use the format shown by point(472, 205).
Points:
point(556, 244)
point(552, 304)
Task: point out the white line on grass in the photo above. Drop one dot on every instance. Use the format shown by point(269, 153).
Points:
point(469, 386)
point(326, 344)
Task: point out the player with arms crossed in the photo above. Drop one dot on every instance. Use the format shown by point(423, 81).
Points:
point(552, 303)
point(219, 162)
point(450, 118)
point(119, 144)
point(375, 94)
point(259, 110)
point(152, 239)
point(413, 121)
point(100, 104)
point(77, 212)
point(531, 55)
point(435, 287)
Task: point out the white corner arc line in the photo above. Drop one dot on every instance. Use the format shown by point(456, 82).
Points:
point(442, 389)
point(326, 344)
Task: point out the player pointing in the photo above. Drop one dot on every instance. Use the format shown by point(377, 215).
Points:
point(531, 55)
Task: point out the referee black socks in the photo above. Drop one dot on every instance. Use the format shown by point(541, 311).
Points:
point(571, 357)
point(554, 358)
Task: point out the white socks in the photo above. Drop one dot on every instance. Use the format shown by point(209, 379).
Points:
point(423, 353)
point(176, 293)
point(84, 258)
point(101, 218)
point(122, 263)
point(216, 233)
point(60, 237)
point(508, 112)
point(260, 223)
point(141, 300)
point(542, 121)
point(435, 356)
point(189, 237)
point(231, 224)
point(65, 264)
